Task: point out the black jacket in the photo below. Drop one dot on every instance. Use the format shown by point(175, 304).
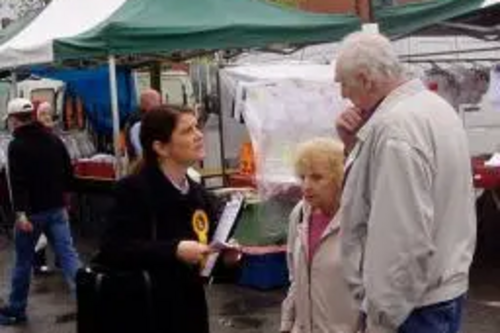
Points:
point(40, 169)
point(141, 200)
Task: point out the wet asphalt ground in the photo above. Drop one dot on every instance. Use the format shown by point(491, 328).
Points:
point(234, 308)
point(239, 309)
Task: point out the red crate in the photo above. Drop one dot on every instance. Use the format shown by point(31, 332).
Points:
point(94, 169)
point(486, 177)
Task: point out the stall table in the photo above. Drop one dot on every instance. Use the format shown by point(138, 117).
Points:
point(93, 198)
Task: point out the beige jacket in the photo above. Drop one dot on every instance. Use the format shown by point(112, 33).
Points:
point(407, 211)
point(318, 300)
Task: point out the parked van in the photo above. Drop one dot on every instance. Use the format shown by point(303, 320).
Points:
point(176, 86)
point(48, 90)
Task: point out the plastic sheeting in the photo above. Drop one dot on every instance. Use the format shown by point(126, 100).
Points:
point(281, 115)
point(230, 77)
point(280, 105)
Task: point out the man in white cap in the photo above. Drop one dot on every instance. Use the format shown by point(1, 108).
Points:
point(40, 172)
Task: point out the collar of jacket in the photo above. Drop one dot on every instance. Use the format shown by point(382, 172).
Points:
point(408, 88)
point(160, 181)
point(332, 226)
point(32, 127)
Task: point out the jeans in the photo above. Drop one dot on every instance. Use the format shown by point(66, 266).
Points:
point(443, 317)
point(54, 224)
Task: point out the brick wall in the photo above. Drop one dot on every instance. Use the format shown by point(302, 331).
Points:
point(329, 6)
point(341, 6)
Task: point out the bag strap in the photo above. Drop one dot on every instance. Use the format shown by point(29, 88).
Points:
point(301, 214)
point(149, 299)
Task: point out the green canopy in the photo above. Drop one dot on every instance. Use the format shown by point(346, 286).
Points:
point(404, 19)
point(166, 26)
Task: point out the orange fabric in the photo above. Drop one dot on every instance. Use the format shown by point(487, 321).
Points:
point(79, 113)
point(68, 113)
point(247, 159)
point(123, 141)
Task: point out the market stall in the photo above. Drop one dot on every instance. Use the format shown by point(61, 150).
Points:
point(160, 29)
point(467, 75)
point(166, 28)
point(133, 32)
point(268, 110)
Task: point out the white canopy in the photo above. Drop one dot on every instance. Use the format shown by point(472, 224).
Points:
point(488, 3)
point(291, 70)
point(61, 18)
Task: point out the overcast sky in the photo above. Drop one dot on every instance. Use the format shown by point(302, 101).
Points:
point(13, 8)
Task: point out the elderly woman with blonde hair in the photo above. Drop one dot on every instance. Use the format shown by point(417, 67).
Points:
point(318, 299)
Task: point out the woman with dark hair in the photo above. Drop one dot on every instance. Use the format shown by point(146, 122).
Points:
point(161, 222)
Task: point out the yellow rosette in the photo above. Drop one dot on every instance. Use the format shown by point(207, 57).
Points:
point(200, 225)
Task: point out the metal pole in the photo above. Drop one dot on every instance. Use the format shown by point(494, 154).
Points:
point(371, 13)
point(451, 52)
point(449, 60)
point(115, 114)
point(200, 84)
point(13, 85)
point(207, 76)
point(221, 130)
point(155, 77)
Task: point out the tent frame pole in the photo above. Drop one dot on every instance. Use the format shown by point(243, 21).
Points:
point(13, 84)
point(221, 130)
point(450, 52)
point(115, 114)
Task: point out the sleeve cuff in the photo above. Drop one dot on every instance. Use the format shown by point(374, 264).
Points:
point(377, 321)
point(286, 325)
point(378, 328)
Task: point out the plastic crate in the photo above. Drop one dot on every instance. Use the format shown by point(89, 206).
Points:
point(264, 271)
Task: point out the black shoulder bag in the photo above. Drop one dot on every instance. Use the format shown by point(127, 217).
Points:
point(111, 300)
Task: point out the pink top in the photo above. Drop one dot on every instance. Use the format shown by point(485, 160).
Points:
point(317, 225)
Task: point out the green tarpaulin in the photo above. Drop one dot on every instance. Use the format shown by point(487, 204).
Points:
point(165, 26)
point(404, 19)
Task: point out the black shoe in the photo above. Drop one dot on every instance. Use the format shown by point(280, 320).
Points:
point(9, 317)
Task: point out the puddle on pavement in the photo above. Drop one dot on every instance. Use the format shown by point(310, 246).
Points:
point(66, 318)
point(251, 304)
point(242, 322)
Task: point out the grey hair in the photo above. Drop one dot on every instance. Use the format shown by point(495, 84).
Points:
point(371, 54)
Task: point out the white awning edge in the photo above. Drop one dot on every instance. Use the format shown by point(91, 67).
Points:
point(62, 18)
point(488, 3)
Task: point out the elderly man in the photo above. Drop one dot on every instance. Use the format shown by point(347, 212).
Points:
point(149, 99)
point(407, 211)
